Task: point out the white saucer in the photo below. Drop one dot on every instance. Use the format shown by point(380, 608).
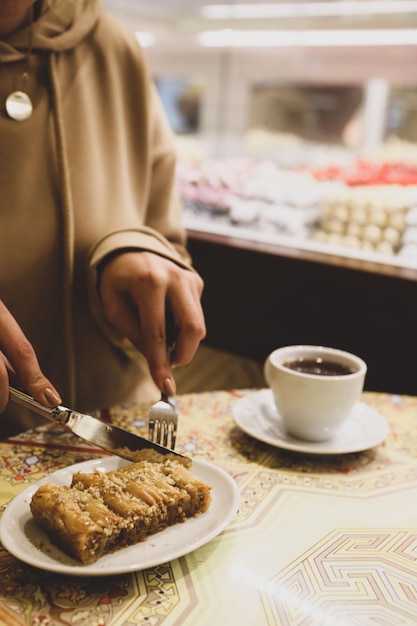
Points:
point(258, 416)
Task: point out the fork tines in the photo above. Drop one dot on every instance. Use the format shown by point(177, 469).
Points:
point(162, 423)
point(163, 432)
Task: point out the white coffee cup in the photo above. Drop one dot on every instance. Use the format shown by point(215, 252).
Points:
point(313, 406)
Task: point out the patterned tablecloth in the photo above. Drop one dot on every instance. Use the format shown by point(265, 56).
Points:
point(317, 541)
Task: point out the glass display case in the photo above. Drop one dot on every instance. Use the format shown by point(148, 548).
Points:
point(296, 137)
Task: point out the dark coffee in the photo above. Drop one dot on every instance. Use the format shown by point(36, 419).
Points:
point(319, 367)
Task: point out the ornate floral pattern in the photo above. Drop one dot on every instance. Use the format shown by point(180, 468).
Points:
point(306, 525)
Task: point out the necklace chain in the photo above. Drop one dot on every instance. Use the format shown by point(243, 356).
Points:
point(18, 103)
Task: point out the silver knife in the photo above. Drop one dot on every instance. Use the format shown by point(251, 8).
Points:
point(106, 436)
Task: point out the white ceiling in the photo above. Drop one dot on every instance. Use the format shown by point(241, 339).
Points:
point(185, 15)
point(176, 24)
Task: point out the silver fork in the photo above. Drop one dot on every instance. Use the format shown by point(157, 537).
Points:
point(163, 421)
point(163, 416)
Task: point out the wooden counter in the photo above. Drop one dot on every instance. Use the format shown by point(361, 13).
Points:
point(259, 296)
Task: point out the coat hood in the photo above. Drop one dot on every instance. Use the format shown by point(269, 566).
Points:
point(60, 26)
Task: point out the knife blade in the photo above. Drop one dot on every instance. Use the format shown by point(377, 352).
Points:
point(111, 438)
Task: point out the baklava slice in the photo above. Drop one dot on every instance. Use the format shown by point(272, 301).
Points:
point(103, 512)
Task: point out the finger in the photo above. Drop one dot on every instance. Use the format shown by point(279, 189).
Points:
point(123, 315)
point(191, 330)
point(143, 323)
point(189, 322)
point(20, 355)
point(4, 385)
point(157, 332)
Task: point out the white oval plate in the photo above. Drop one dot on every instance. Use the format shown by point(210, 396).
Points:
point(24, 539)
point(258, 416)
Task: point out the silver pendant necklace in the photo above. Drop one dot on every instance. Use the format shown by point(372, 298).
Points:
point(18, 103)
point(19, 106)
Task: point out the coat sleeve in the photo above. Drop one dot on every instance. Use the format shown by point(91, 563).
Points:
point(162, 231)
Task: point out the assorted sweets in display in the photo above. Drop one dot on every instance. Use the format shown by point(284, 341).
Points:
point(365, 204)
point(252, 194)
point(374, 218)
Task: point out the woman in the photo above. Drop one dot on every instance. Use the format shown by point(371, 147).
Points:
point(91, 246)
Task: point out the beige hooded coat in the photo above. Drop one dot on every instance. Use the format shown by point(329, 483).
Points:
point(92, 171)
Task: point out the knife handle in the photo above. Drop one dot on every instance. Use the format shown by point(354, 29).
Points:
point(57, 414)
